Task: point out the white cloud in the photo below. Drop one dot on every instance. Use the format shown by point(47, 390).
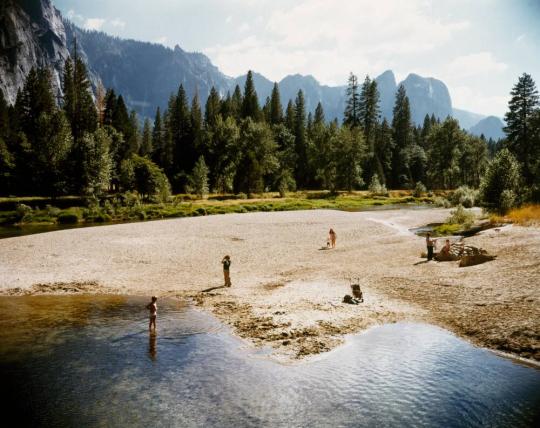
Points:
point(317, 37)
point(520, 38)
point(74, 16)
point(118, 23)
point(477, 64)
point(94, 23)
point(477, 101)
point(243, 28)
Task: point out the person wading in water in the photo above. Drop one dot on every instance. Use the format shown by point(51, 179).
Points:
point(152, 307)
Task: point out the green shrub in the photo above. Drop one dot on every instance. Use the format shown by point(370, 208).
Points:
point(52, 211)
point(141, 174)
point(200, 211)
point(131, 199)
point(507, 200)
point(439, 201)
point(68, 217)
point(242, 195)
point(465, 196)
point(101, 218)
point(461, 216)
point(448, 229)
point(24, 212)
point(376, 188)
point(419, 190)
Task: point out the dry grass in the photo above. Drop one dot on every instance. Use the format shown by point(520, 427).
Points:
point(528, 215)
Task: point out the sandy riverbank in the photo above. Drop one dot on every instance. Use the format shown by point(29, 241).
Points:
point(286, 291)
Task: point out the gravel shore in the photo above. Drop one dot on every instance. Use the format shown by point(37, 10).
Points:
point(287, 292)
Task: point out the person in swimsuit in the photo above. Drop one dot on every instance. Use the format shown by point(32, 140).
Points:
point(332, 238)
point(446, 249)
point(226, 270)
point(152, 307)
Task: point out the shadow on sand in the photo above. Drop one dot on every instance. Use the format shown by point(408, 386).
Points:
point(214, 288)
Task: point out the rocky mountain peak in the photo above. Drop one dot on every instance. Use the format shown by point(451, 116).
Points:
point(32, 34)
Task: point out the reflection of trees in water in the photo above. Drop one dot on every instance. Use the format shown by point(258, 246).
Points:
point(22, 319)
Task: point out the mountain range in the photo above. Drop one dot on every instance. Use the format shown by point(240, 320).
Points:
point(33, 33)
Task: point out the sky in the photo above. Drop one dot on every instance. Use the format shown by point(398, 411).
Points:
point(478, 48)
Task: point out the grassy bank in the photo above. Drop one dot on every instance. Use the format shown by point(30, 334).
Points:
point(130, 208)
point(528, 215)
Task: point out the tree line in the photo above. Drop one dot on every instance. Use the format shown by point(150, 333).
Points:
point(90, 145)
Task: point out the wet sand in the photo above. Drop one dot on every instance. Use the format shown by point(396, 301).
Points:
point(287, 292)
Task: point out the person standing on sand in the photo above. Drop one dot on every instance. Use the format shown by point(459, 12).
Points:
point(152, 307)
point(332, 237)
point(226, 267)
point(430, 243)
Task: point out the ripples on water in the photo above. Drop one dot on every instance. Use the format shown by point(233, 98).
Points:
point(89, 361)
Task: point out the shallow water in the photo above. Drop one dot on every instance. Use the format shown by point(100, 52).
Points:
point(89, 361)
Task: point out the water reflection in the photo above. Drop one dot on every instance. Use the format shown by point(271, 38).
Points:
point(90, 361)
point(152, 345)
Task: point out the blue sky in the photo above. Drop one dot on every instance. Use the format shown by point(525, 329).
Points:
point(477, 47)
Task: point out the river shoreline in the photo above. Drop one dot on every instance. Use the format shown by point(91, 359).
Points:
point(286, 291)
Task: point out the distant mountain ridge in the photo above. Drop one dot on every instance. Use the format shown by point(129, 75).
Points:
point(489, 127)
point(33, 33)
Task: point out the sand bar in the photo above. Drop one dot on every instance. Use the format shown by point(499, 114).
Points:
point(286, 291)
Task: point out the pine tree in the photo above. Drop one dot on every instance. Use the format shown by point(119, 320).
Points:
point(50, 155)
point(236, 103)
point(289, 116)
point(265, 111)
point(7, 160)
point(179, 124)
point(212, 108)
point(110, 107)
point(499, 190)
point(250, 103)
point(301, 141)
point(258, 158)
point(369, 115)
point(323, 159)
point(157, 139)
point(384, 147)
point(319, 115)
point(350, 149)
point(446, 142)
point(120, 116)
point(534, 138)
point(524, 102)
point(146, 143)
point(225, 106)
point(284, 178)
point(78, 103)
point(195, 139)
point(133, 135)
point(351, 116)
point(276, 109)
point(401, 133)
point(36, 98)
